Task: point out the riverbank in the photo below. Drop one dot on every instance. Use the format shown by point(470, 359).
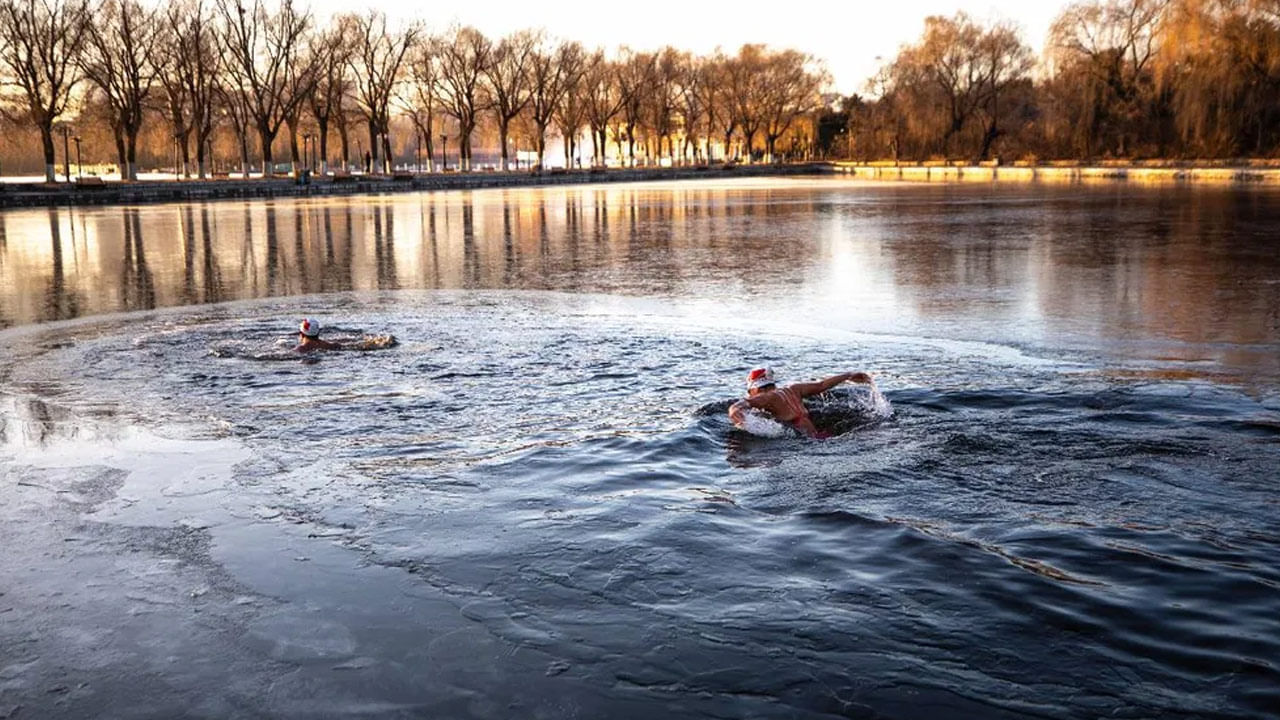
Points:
point(114, 193)
point(1155, 173)
point(149, 191)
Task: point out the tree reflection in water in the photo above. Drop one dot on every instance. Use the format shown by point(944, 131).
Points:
point(1017, 263)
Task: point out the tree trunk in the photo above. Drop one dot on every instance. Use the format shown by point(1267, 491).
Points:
point(201, 142)
point(122, 157)
point(264, 138)
point(291, 125)
point(386, 148)
point(132, 153)
point(50, 161)
point(503, 124)
point(540, 141)
point(244, 154)
point(323, 125)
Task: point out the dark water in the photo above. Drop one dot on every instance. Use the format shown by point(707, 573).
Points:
point(519, 511)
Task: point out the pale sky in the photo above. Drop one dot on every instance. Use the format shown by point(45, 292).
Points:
point(848, 35)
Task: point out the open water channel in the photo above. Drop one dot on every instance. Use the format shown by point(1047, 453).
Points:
point(532, 505)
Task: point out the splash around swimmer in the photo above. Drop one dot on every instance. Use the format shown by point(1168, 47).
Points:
point(786, 404)
point(309, 340)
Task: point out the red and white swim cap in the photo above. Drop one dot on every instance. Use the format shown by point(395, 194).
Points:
point(760, 377)
point(309, 327)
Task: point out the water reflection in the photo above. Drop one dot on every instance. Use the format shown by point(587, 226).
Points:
point(1050, 265)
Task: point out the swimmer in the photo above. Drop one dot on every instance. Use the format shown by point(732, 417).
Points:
point(786, 404)
point(309, 338)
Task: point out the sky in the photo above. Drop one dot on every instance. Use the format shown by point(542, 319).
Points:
point(849, 36)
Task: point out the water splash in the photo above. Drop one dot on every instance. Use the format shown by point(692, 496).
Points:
point(761, 424)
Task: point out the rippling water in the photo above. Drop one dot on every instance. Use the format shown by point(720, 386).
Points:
point(531, 507)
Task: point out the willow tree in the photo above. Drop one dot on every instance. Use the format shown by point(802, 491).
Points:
point(1102, 51)
point(40, 42)
point(120, 59)
point(463, 59)
point(1220, 62)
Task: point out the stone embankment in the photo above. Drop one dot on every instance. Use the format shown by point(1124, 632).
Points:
point(112, 193)
point(1062, 172)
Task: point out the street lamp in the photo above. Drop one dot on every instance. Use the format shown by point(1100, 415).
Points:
point(79, 161)
point(306, 152)
point(444, 156)
point(417, 154)
point(66, 153)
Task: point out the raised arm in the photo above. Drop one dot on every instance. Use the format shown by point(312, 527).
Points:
point(821, 386)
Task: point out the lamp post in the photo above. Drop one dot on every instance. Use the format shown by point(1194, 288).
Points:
point(79, 161)
point(66, 153)
point(417, 154)
point(444, 156)
point(306, 152)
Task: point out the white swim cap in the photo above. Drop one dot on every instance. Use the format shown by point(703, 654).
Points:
point(309, 327)
point(760, 377)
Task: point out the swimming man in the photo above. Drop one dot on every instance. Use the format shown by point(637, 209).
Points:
point(786, 404)
point(309, 338)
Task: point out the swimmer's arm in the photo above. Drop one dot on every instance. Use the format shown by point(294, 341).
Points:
point(821, 386)
point(738, 410)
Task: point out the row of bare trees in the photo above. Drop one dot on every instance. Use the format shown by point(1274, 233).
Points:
point(1119, 79)
point(266, 73)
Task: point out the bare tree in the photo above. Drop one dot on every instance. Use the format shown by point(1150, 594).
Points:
point(553, 70)
point(691, 107)
point(176, 104)
point(604, 101)
point(571, 111)
point(509, 75)
point(463, 60)
point(421, 101)
point(301, 76)
point(40, 41)
point(1004, 61)
point(745, 85)
point(662, 97)
point(634, 74)
point(262, 52)
point(790, 88)
point(330, 55)
point(119, 60)
point(716, 99)
point(376, 63)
